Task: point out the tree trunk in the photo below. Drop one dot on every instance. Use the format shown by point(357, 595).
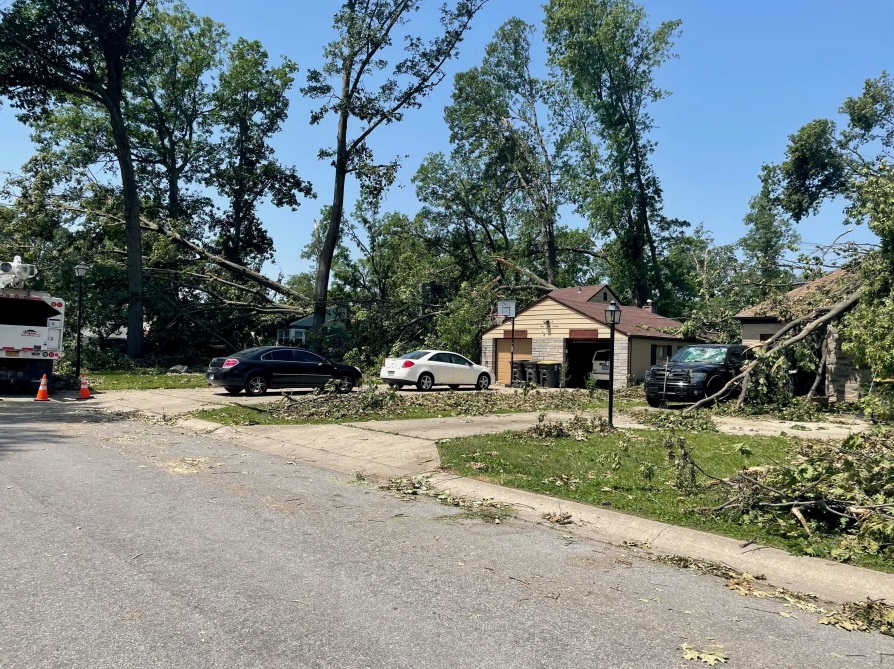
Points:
point(132, 231)
point(324, 262)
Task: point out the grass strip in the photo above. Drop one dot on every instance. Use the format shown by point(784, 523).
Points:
point(631, 471)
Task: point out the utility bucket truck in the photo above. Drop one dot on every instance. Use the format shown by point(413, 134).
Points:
point(31, 325)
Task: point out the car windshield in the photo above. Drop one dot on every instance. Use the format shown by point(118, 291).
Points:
point(700, 354)
point(414, 355)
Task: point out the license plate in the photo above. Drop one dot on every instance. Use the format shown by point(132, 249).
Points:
point(12, 354)
point(391, 373)
point(211, 377)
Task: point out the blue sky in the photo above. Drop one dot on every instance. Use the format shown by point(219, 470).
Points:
point(748, 75)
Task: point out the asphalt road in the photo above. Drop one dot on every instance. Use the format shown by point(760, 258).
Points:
point(130, 544)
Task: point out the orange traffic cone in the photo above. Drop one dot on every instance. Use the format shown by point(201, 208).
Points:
point(42, 394)
point(85, 389)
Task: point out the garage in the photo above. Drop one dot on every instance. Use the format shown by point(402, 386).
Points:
point(504, 357)
point(580, 360)
point(569, 325)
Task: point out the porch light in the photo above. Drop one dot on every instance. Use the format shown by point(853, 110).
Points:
point(613, 313)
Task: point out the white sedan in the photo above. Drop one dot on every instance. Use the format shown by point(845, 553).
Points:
point(426, 369)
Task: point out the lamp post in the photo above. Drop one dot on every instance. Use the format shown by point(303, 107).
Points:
point(612, 317)
point(80, 271)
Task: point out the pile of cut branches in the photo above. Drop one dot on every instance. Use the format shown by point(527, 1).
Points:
point(845, 490)
point(578, 428)
point(373, 402)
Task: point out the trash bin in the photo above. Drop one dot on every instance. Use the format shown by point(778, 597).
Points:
point(518, 373)
point(529, 371)
point(550, 372)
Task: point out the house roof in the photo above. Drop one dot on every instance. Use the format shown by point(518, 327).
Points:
point(579, 293)
point(635, 322)
point(823, 289)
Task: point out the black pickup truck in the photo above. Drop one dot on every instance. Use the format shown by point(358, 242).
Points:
point(693, 373)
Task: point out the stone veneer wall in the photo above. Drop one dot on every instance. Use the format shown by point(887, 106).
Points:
point(548, 349)
point(843, 378)
point(554, 349)
point(488, 348)
point(622, 353)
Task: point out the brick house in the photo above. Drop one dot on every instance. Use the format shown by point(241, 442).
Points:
point(568, 325)
point(843, 379)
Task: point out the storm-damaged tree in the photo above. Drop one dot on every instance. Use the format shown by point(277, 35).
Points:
point(608, 53)
point(823, 162)
point(499, 119)
point(348, 86)
point(54, 51)
point(251, 103)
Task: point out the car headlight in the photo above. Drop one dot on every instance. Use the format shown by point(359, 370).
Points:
point(698, 377)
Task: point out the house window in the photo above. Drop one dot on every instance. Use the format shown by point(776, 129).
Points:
point(605, 297)
point(290, 337)
point(661, 352)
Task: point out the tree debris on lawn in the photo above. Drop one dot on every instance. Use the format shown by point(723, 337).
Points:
point(844, 489)
point(578, 428)
point(373, 402)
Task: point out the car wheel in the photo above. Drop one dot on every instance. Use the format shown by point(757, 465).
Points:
point(425, 382)
point(256, 385)
point(653, 402)
point(233, 390)
point(483, 382)
point(345, 384)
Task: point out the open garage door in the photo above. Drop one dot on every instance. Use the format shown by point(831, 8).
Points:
point(580, 360)
point(504, 368)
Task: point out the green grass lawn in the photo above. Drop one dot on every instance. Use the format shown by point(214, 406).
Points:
point(631, 472)
point(145, 378)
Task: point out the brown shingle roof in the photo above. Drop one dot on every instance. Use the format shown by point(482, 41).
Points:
point(579, 293)
point(767, 308)
point(634, 321)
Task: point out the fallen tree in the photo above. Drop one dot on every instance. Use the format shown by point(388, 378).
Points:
point(844, 491)
point(220, 261)
point(778, 343)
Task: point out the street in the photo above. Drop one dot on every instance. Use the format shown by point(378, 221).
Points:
point(137, 544)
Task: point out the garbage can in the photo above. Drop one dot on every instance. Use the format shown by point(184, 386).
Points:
point(550, 373)
point(518, 373)
point(529, 371)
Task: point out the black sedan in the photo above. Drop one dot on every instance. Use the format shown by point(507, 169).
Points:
point(255, 370)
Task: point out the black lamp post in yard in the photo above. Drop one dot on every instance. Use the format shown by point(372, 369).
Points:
point(80, 271)
point(612, 317)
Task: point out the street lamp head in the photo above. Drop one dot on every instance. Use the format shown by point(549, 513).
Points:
point(81, 270)
point(612, 313)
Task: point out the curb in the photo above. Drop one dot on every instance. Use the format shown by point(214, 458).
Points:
point(831, 581)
